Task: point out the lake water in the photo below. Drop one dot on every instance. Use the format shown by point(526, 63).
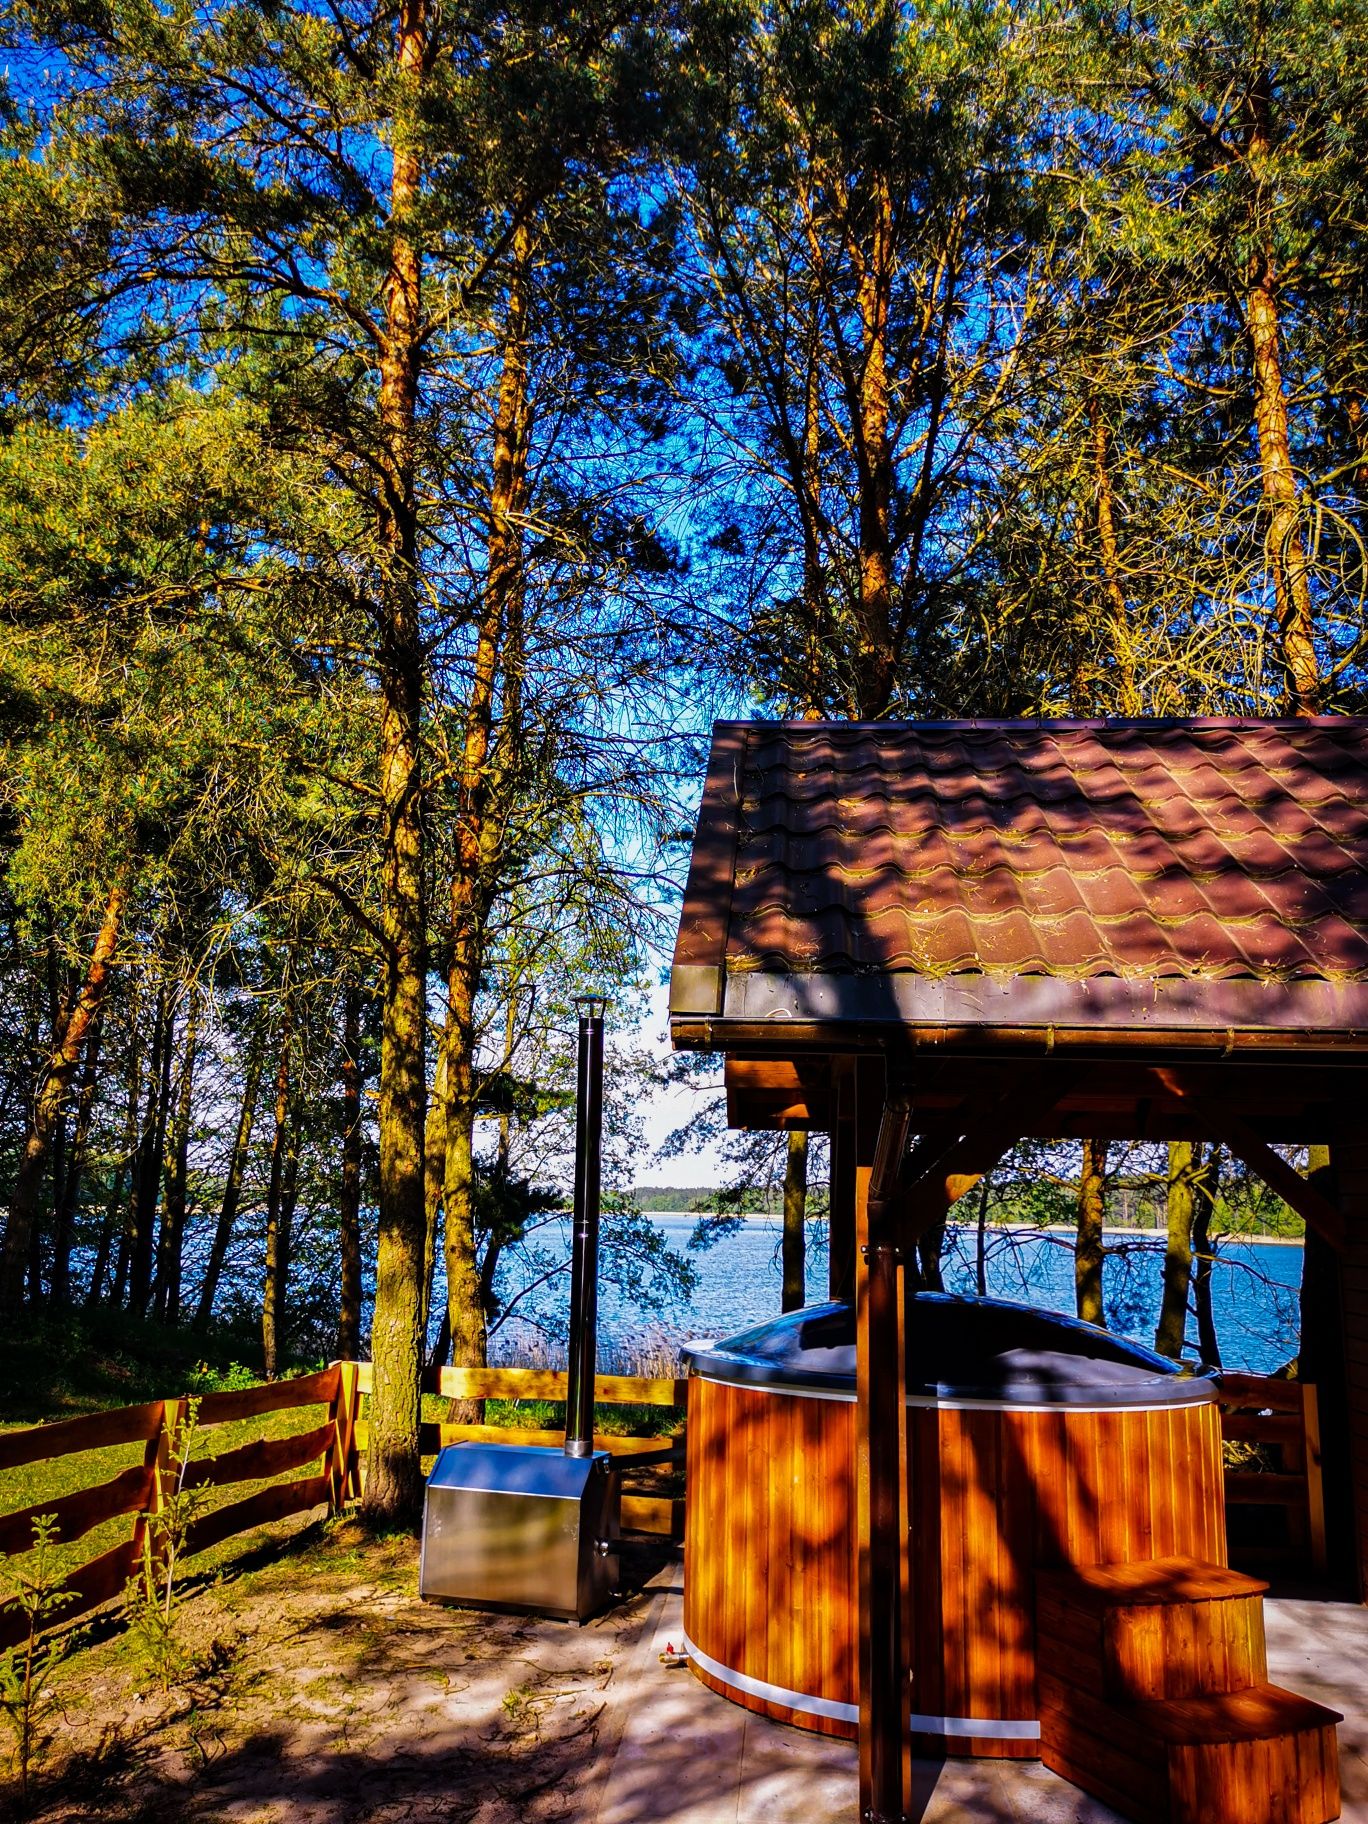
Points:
point(1254, 1287)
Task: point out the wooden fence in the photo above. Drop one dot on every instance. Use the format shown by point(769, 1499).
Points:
point(1276, 1416)
point(640, 1513)
point(137, 1491)
point(332, 1452)
point(1281, 1475)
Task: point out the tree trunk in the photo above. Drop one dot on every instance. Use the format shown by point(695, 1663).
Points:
point(60, 990)
point(929, 1245)
point(1207, 1189)
point(794, 1295)
point(1282, 500)
point(500, 617)
point(65, 1228)
point(1089, 1252)
point(167, 1301)
point(349, 1195)
point(285, 1221)
point(237, 1169)
point(1109, 556)
point(273, 1298)
point(1184, 1166)
point(981, 1239)
point(440, 1351)
point(876, 660)
point(394, 1480)
point(127, 1169)
point(51, 1100)
point(151, 1154)
point(465, 1307)
point(104, 1247)
point(1282, 497)
point(816, 682)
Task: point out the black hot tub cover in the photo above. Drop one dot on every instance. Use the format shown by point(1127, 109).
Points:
point(988, 1349)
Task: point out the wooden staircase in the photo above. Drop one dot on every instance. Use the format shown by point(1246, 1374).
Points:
point(1154, 1697)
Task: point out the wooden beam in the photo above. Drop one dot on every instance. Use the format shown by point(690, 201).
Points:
point(1350, 1173)
point(1223, 1124)
point(778, 1092)
point(841, 1214)
point(881, 1481)
point(955, 1155)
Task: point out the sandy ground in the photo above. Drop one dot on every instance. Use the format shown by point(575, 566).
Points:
point(327, 1693)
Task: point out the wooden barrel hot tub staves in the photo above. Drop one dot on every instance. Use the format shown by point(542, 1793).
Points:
point(999, 1489)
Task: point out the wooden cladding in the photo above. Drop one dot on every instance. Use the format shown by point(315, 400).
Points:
point(769, 1542)
point(994, 1494)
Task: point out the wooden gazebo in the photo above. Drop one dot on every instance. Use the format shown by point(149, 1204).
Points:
point(935, 939)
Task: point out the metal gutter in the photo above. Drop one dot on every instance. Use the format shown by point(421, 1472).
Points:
point(787, 1038)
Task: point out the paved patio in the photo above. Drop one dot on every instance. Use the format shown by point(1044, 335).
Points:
point(673, 1753)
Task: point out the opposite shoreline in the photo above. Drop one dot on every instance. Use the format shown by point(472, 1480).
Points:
point(995, 1228)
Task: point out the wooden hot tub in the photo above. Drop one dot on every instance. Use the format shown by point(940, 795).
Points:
point(1034, 1441)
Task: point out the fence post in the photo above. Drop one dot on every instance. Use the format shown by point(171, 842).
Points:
point(340, 1467)
point(157, 1461)
point(1315, 1487)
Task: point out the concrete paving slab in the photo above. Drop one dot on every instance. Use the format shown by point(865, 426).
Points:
point(1321, 1650)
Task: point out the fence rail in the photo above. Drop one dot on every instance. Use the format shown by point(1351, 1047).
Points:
point(1281, 1420)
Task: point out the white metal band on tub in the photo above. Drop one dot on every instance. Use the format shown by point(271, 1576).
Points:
point(985, 1727)
point(947, 1405)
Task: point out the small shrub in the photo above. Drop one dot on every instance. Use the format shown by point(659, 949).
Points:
point(205, 1379)
point(36, 1587)
point(151, 1603)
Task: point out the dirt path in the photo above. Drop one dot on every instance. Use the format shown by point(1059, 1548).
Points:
point(329, 1694)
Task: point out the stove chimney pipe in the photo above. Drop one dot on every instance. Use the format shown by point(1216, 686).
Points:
point(579, 1403)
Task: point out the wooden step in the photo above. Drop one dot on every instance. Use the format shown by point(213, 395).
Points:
point(1260, 1756)
point(1154, 1697)
point(1234, 1716)
point(1152, 1581)
point(1170, 1628)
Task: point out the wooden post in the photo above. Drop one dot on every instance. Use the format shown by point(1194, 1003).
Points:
point(340, 1467)
point(1349, 1438)
point(1315, 1486)
point(841, 1219)
point(156, 1458)
point(881, 1489)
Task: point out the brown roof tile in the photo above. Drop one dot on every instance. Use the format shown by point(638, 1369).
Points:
point(1143, 851)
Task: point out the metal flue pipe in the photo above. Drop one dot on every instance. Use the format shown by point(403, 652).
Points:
point(579, 1405)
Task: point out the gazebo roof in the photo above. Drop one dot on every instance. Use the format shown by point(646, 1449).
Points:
point(1144, 878)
